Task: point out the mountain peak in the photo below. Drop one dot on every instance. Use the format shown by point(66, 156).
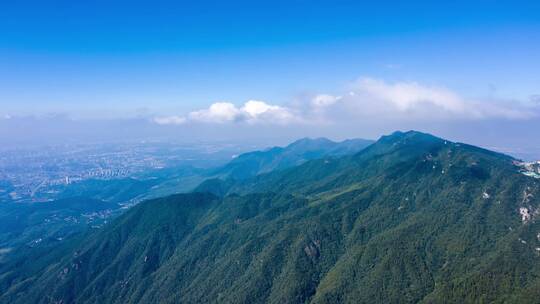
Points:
point(410, 135)
point(277, 158)
point(410, 143)
point(307, 142)
point(407, 192)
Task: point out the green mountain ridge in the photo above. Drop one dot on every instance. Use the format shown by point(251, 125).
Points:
point(410, 219)
point(278, 158)
point(158, 183)
point(29, 224)
point(46, 223)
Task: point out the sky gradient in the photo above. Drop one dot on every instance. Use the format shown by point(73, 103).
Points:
point(322, 67)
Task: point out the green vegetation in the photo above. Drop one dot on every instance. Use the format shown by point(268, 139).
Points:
point(92, 202)
point(163, 182)
point(410, 219)
point(251, 164)
point(45, 223)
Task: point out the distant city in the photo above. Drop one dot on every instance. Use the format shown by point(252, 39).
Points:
point(40, 174)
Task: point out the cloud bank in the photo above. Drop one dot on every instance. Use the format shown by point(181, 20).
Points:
point(426, 102)
point(365, 99)
point(252, 112)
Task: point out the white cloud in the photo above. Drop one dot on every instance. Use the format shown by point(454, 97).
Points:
point(259, 111)
point(218, 112)
point(253, 111)
point(409, 95)
point(367, 99)
point(417, 101)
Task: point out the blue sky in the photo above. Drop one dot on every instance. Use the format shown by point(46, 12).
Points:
point(116, 59)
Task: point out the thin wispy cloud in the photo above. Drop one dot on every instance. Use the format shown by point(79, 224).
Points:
point(392, 66)
point(406, 96)
point(170, 120)
point(535, 100)
point(424, 101)
point(324, 100)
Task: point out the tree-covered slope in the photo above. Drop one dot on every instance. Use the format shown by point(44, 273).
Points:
point(47, 223)
point(162, 182)
point(412, 218)
point(277, 158)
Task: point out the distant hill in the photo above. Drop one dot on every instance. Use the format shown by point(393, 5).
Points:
point(410, 219)
point(183, 179)
point(277, 158)
point(92, 202)
point(251, 164)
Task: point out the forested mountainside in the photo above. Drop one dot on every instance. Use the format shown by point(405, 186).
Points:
point(410, 219)
point(47, 224)
point(91, 203)
point(167, 181)
point(277, 158)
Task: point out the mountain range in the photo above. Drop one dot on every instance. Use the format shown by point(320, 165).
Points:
point(411, 218)
point(277, 158)
point(91, 203)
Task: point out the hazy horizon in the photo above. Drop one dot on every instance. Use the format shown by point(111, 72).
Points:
point(73, 72)
point(156, 151)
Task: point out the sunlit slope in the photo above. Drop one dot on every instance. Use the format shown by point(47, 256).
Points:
point(277, 158)
point(412, 218)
